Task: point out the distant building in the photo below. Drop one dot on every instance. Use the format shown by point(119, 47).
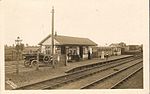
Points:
point(116, 48)
point(122, 44)
point(102, 51)
point(74, 47)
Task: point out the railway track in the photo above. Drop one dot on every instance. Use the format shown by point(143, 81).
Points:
point(81, 82)
point(135, 81)
point(114, 79)
point(56, 82)
point(126, 78)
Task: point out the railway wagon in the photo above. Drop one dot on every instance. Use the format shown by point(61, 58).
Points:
point(134, 52)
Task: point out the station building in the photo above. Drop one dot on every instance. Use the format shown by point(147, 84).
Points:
point(72, 48)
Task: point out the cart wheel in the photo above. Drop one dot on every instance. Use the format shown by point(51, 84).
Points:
point(34, 63)
point(27, 63)
point(46, 58)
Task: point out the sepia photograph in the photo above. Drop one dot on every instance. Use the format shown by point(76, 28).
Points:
point(75, 45)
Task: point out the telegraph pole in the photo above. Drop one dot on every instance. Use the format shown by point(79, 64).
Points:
point(52, 35)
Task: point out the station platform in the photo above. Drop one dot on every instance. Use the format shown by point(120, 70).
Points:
point(92, 61)
point(45, 73)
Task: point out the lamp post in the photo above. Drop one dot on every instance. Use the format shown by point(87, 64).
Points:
point(18, 44)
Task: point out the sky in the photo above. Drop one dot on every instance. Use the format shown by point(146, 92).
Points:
point(103, 21)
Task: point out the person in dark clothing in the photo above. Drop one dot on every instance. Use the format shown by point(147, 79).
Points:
point(89, 55)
